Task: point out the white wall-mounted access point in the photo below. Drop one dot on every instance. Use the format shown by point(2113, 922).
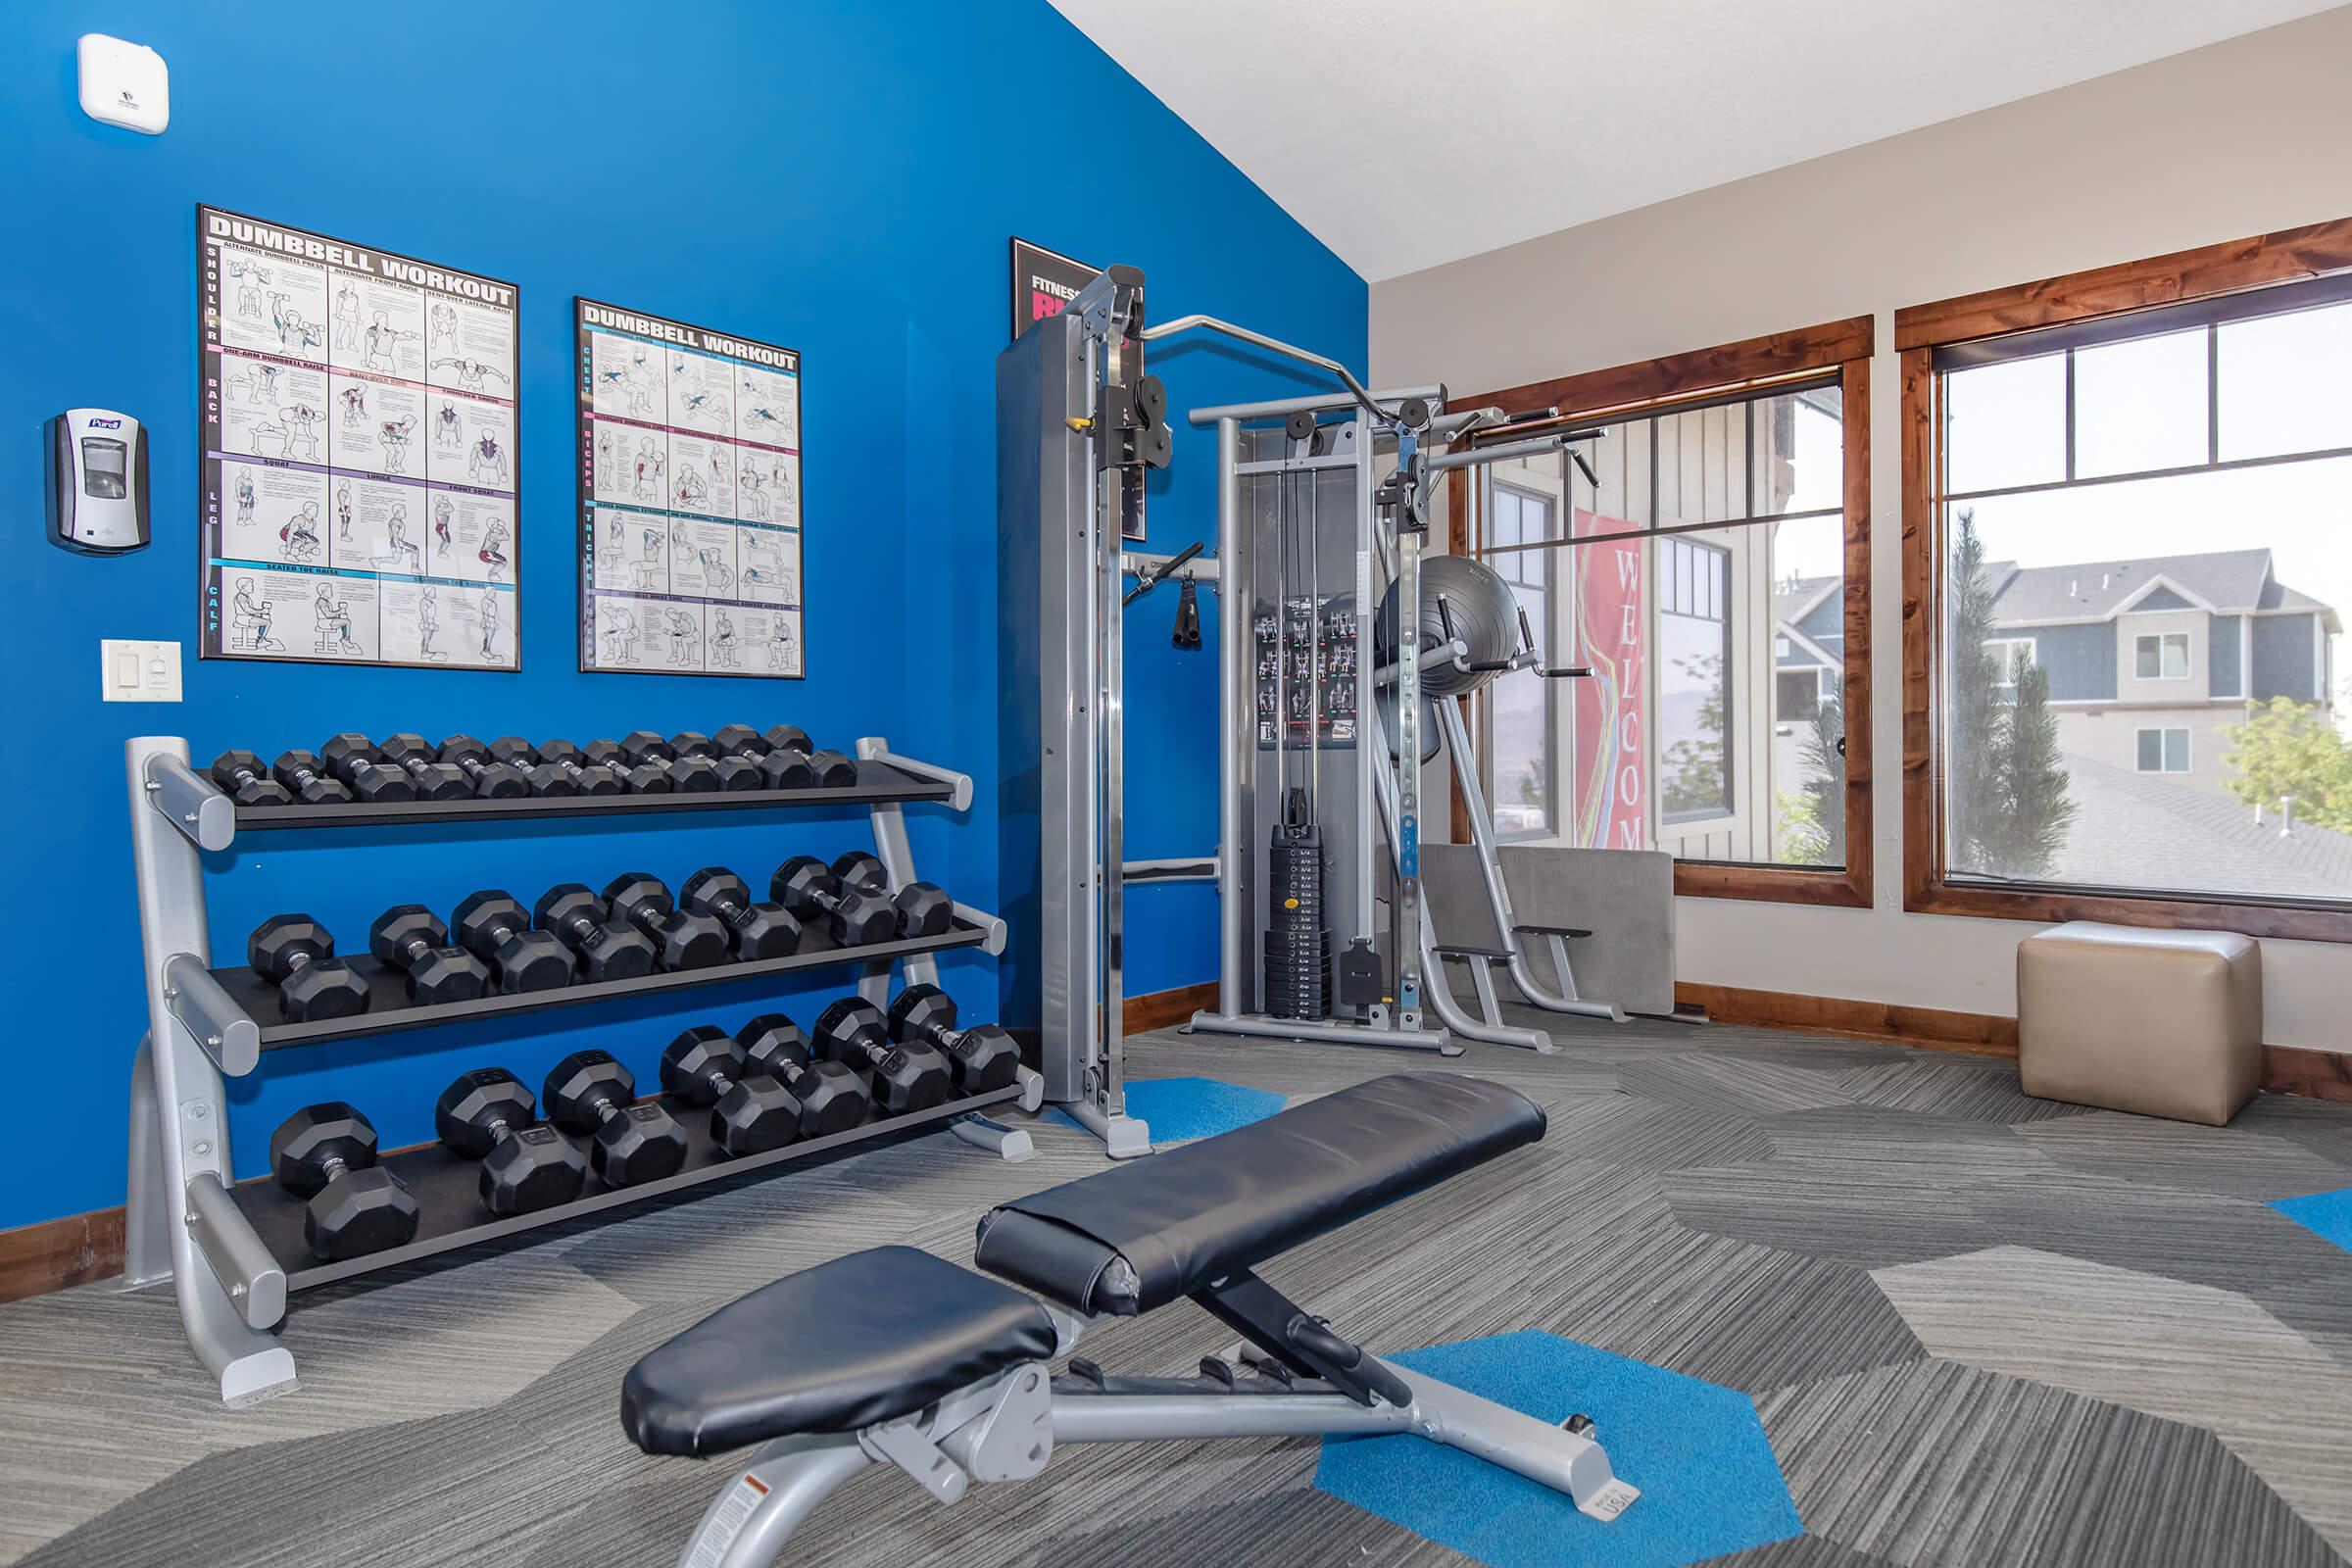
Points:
point(123, 83)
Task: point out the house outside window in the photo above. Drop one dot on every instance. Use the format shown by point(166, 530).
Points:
point(2163, 750)
point(2163, 656)
point(2151, 501)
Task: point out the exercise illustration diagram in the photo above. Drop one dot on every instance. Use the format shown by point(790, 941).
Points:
point(359, 452)
point(691, 541)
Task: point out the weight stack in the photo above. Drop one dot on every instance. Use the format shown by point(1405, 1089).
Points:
point(1298, 948)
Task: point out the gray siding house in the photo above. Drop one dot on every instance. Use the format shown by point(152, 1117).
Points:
point(2150, 661)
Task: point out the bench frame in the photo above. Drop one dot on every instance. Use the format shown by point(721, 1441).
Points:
point(1300, 1380)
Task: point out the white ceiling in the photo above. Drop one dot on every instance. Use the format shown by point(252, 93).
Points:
point(1405, 133)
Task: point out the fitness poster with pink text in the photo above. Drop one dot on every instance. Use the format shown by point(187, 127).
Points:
point(360, 480)
point(690, 499)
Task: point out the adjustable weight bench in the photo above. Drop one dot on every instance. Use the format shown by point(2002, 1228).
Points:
point(893, 1355)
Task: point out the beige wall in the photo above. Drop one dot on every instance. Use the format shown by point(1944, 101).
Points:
point(2236, 139)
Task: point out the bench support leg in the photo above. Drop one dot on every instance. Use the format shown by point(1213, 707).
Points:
point(748, 1524)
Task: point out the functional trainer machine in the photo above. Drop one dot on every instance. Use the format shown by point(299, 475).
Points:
point(1323, 505)
point(894, 1356)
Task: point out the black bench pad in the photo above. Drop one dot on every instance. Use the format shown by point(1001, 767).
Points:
point(863, 1339)
point(1192, 1215)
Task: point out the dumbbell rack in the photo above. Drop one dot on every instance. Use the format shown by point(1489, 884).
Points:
point(234, 1251)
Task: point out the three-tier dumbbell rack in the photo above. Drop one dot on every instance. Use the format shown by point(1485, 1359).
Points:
point(234, 1251)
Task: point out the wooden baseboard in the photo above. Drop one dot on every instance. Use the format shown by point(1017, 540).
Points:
point(35, 1260)
point(1977, 1034)
point(1160, 1008)
point(2285, 1069)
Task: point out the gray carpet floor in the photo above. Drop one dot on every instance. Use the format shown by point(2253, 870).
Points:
point(1979, 1329)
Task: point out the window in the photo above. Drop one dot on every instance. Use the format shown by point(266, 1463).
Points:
point(1704, 561)
point(2163, 750)
point(1795, 697)
point(2162, 656)
point(1520, 717)
point(2130, 564)
point(2010, 655)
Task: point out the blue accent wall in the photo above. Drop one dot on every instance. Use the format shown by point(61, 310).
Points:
point(2080, 659)
point(842, 179)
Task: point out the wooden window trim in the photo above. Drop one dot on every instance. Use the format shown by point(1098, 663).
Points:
point(1754, 363)
point(2316, 251)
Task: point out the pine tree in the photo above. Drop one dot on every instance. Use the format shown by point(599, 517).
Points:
point(1973, 719)
point(1824, 759)
point(2035, 812)
point(2004, 782)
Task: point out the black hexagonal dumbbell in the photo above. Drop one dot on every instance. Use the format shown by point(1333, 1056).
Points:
point(411, 938)
point(924, 908)
point(306, 777)
point(983, 1056)
point(497, 930)
point(435, 779)
point(649, 778)
point(558, 760)
point(903, 1078)
point(750, 1112)
point(788, 759)
point(299, 954)
point(588, 1092)
point(733, 773)
point(682, 939)
point(692, 775)
point(831, 1097)
point(758, 930)
point(327, 1154)
point(247, 780)
point(364, 772)
point(494, 779)
point(488, 1115)
point(608, 948)
point(855, 916)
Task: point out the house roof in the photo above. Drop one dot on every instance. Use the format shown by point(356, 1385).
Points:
point(2144, 831)
point(1794, 597)
point(2231, 581)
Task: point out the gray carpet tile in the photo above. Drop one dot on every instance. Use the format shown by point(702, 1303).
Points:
point(1845, 1212)
point(2225, 1162)
point(1625, 1129)
point(1707, 1199)
point(2188, 1352)
point(1753, 1088)
point(1964, 1088)
point(1935, 1463)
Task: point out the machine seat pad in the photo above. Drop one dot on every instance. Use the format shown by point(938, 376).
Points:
point(859, 1339)
point(1190, 1217)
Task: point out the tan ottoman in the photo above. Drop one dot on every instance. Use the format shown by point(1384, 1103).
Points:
point(2164, 1023)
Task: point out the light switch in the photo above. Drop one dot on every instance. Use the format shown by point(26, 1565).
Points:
point(138, 672)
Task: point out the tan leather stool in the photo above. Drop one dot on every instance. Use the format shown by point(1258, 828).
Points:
point(2162, 1023)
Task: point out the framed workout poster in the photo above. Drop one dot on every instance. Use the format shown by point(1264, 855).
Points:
point(360, 477)
point(690, 499)
point(1044, 283)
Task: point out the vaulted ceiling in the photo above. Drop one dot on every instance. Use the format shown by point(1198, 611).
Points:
point(1405, 133)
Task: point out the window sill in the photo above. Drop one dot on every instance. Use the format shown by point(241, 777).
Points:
point(1825, 887)
point(2291, 921)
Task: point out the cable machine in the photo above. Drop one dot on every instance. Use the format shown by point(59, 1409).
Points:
point(1323, 508)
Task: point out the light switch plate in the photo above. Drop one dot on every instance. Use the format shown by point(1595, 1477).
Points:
point(138, 672)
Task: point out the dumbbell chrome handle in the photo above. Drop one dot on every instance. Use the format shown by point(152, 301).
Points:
point(212, 1018)
point(250, 1276)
